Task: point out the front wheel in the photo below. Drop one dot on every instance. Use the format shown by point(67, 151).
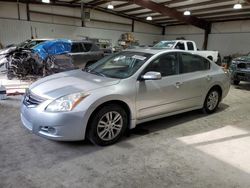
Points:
point(108, 125)
point(212, 101)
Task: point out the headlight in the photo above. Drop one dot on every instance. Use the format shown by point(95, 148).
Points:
point(233, 62)
point(66, 103)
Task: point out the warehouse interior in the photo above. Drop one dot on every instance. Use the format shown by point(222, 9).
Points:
point(189, 149)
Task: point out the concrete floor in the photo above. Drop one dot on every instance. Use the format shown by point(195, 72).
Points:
point(187, 150)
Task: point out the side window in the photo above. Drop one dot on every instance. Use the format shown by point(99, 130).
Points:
point(87, 46)
point(77, 48)
point(190, 46)
point(166, 64)
point(192, 63)
point(180, 46)
point(95, 48)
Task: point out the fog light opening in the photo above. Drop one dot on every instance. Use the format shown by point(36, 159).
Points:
point(50, 130)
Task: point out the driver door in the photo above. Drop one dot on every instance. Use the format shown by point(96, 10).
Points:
point(156, 97)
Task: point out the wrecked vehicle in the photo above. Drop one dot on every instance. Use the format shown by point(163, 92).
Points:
point(52, 57)
point(240, 69)
point(42, 60)
point(6, 53)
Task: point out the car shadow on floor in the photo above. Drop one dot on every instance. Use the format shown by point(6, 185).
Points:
point(243, 86)
point(171, 121)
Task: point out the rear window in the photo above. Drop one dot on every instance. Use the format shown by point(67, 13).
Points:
point(77, 48)
point(190, 46)
point(88, 46)
point(193, 63)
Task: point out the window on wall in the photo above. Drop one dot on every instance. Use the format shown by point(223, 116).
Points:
point(166, 64)
point(193, 63)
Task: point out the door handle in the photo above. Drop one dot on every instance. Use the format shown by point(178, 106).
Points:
point(178, 84)
point(209, 77)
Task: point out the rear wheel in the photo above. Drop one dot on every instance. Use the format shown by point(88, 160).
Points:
point(212, 101)
point(108, 125)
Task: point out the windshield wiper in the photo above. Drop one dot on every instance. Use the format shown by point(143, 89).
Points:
point(93, 72)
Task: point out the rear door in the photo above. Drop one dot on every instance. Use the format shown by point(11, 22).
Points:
point(195, 74)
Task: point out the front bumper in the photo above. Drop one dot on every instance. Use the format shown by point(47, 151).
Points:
point(240, 74)
point(67, 126)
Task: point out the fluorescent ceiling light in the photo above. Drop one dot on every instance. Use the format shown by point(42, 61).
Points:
point(46, 1)
point(110, 6)
point(149, 18)
point(238, 6)
point(187, 13)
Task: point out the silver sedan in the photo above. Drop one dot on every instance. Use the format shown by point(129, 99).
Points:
point(120, 91)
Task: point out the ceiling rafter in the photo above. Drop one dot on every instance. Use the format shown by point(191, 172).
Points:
point(123, 5)
point(141, 8)
point(186, 6)
point(202, 10)
point(173, 13)
point(223, 12)
point(203, 3)
point(68, 4)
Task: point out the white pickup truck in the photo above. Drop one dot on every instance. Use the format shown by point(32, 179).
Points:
point(188, 45)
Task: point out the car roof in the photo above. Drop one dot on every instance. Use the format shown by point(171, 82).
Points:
point(41, 39)
point(153, 50)
point(176, 41)
point(85, 41)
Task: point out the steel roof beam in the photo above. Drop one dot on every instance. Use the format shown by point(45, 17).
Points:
point(173, 13)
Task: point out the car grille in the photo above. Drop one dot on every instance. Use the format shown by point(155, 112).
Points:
point(243, 65)
point(32, 100)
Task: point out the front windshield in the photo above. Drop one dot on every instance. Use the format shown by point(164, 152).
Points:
point(23, 44)
point(121, 65)
point(29, 44)
point(165, 44)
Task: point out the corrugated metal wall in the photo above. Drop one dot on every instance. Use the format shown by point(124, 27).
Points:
point(226, 37)
point(45, 25)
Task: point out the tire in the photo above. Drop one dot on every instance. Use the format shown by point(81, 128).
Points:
point(236, 82)
point(101, 130)
point(212, 101)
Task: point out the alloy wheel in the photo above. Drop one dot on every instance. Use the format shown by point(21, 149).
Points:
point(109, 126)
point(212, 100)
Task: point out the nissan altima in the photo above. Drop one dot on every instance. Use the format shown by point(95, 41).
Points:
point(120, 91)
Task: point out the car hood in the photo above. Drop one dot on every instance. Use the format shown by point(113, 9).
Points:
point(243, 58)
point(69, 82)
point(5, 51)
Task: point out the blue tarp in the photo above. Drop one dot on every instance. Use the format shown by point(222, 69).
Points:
point(53, 47)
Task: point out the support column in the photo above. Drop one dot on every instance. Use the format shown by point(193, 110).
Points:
point(133, 26)
point(206, 35)
point(28, 11)
point(82, 14)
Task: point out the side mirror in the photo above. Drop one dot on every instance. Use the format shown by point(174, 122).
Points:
point(151, 76)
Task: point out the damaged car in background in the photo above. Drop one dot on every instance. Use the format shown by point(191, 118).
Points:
point(6, 53)
point(51, 57)
point(240, 69)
